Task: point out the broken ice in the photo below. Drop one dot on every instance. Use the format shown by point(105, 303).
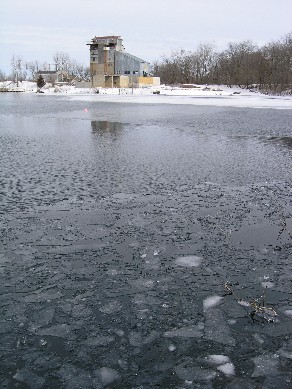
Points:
point(189, 261)
point(211, 301)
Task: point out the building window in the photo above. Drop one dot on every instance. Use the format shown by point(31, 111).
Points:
point(127, 72)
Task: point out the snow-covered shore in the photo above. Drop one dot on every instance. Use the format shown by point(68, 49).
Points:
point(198, 95)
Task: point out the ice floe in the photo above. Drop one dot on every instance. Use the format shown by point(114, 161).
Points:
point(192, 372)
point(216, 328)
point(266, 364)
point(189, 261)
point(288, 312)
point(217, 359)
point(211, 301)
point(112, 307)
point(285, 354)
point(32, 380)
point(184, 332)
point(227, 368)
point(107, 375)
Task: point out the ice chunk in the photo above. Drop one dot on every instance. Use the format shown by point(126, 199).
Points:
point(189, 261)
point(259, 338)
point(112, 307)
point(171, 347)
point(288, 312)
point(282, 381)
point(266, 364)
point(227, 369)
point(211, 301)
point(241, 383)
point(285, 354)
point(192, 372)
point(81, 311)
point(99, 340)
point(267, 284)
point(243, 303)
point(107, 375)
point(74, 377)
point(32, 380)
point(123, 364)
point(59, 330)
point(151, 337)
point(135, 339)
point(216, 328)
point(217, 359)
point(184, 332)
point(43, 317)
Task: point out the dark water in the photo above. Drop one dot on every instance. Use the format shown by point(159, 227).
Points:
point(120, 226)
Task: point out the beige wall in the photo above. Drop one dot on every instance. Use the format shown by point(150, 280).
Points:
point(123, 81)
point(82, 84)
point(148, 81)
point(98, 81)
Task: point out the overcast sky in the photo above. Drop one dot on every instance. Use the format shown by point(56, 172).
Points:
point(36, 29)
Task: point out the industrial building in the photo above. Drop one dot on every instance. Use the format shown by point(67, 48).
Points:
point(112, 67)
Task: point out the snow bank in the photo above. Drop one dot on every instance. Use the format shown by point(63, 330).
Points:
point(222, 96)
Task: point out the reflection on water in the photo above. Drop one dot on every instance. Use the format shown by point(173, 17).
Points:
point(285, 141)
point(106, 126)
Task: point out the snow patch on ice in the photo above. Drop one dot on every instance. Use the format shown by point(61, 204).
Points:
point(189, 261)
point(217, 359)
point(268, 284)
point(107, 375)
point(211, 301)
point(228, 369)
point(243, 303)
point(288, 312)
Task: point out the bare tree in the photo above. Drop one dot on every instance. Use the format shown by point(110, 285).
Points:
point(18, 69)
point(62, 60)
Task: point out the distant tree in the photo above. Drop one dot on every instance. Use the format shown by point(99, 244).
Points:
point(18, 69)
point(3, 76)
point(33, 67)
point(62, 60)
point(40, 81)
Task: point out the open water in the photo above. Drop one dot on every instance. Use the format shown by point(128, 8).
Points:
point(120, 225)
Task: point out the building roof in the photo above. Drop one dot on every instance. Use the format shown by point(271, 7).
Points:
point(132, 56)
point(107, 37)
point(52, 72)
point(46, 72)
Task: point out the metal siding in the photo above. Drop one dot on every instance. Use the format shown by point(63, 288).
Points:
point(125, 62)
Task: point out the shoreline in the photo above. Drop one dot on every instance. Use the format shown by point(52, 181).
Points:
point(222, 96)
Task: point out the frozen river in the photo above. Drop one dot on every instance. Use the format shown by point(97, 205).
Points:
point(120, 225)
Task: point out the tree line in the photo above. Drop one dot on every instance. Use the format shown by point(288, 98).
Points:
point(268, 68)
point(27, 70)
